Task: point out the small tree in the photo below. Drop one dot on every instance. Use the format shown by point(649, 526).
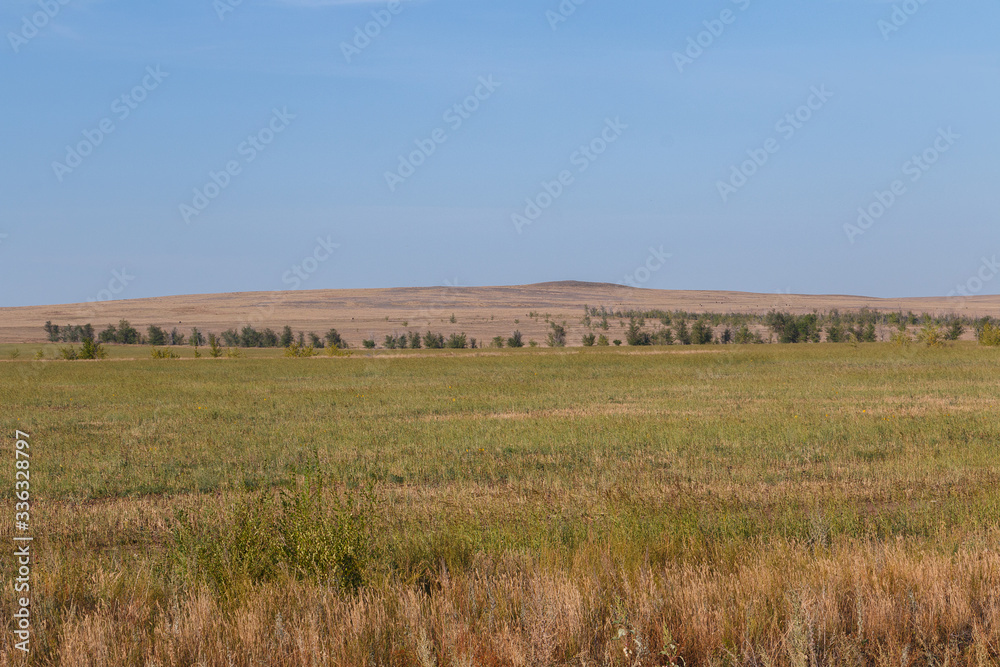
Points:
point(556, 337)
point(955, 329)
point(636, 336)
point(369, 343)
point(497, 341)
point(433, 341)
point(155, 335)
point(270, 339)
point(989, 334)
point(457, 341)
point(109, 335)
point(333, 339)
point(92, 350)
point(315, 341)
point(414, 337)
point(931, 335)
point(196, 338)
point(589, 339)
point(213, 346)
point(901, 337)
point(52, 330)
point(701, 332)
point(683, 335)
point(287, 337)
point(296, 350)
point(176, 337)
point(515, 340)
point(126, 334)
point(602, 340)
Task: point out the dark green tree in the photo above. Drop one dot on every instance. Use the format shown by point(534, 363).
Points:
point(155, 335)
point(287, 337)
point(701, 332)
point(334, 339)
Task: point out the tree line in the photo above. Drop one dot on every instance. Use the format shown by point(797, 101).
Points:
point(125, 334)
point(652, 327)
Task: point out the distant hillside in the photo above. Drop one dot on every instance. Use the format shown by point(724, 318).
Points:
point(482, 312)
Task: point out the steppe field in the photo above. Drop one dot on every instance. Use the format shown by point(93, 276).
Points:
point(738, 505)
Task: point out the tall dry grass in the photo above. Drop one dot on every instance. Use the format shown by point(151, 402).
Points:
point(886, 604)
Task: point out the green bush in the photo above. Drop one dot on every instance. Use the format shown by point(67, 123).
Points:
point(457, 341)
point(92, 350)
point(433, 341)
point(745, 337)
point(636, 336)
point(157, 353)
point(602, 340)
point(556, 337)
point(308, 532)
point(901, 338)
point(589, 339)
point(989, 334)
point(213, 346)
point(369, 343)
point(931, 335)
point(955, 329)
point(296, 350)
point(515, 340)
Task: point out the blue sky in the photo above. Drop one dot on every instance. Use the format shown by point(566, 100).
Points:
point(652, 146)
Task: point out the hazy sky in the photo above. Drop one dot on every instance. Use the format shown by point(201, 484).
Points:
point(191, 146)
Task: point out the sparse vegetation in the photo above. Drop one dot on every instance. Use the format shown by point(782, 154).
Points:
point(640, 513)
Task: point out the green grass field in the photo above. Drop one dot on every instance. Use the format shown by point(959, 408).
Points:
point(719, 505)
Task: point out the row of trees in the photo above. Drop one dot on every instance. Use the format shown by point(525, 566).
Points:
point(785, 328)
point(430, 340)
point(125, 334)
point(673, 329)
point(853, 320)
